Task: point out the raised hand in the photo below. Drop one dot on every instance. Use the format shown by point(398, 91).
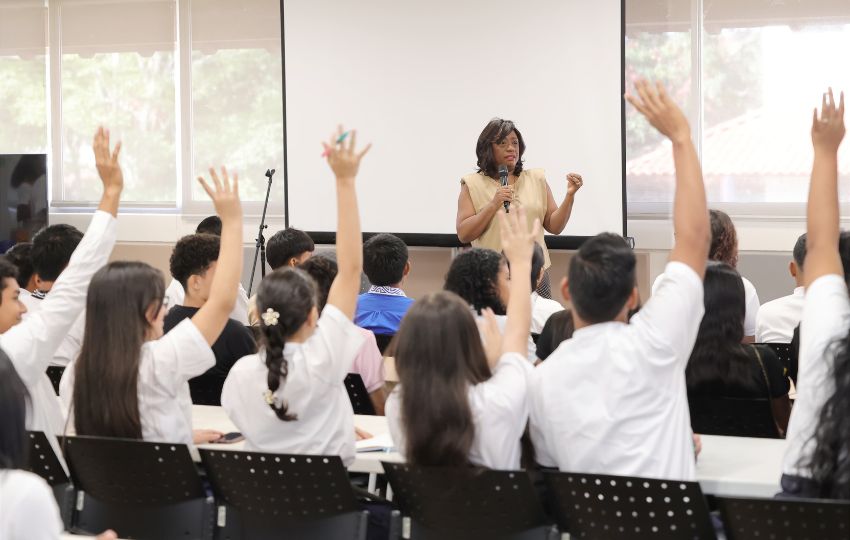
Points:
point(574, 183)
point(107, 161)
point(343, 157)
point(517, 239)
point(661, 111)
point(224, 195)
point(828, 130)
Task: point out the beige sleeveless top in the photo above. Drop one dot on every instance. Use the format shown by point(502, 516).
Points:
point(530, 191)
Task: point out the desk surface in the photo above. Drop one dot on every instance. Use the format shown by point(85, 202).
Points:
point(729, 466)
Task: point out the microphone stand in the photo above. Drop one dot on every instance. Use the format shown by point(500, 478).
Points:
point(260, 248)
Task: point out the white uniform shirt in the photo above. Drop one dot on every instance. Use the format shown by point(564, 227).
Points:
point(499, 409)
point(752, 304)
point(502, 321)
point(69, 349)
point(826, 316)
point(32, 343)
point(165, 367)
point(28, 509)
point(175, 296)
point(313, 390)
point(778, 318)
point(612, 400)
point(541, 310)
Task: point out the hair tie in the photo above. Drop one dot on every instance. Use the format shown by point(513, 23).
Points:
point(270, 317)
point(269, 397)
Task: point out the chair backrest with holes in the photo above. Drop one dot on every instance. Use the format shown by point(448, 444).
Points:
point(467, 502)
point(44, 462)
point(784, 519)
point(275, 495)
point(139, 489)
point(359, 396)
point(54, 373)
point(603, 506)
point(736, 417)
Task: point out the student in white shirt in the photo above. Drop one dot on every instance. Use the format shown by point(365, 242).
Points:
point(724, 248)
point(175, 295)
point(541, 308)
point(458, 403)
point(777, 319)
point(290, 397)
point(131, 381)
point(32, 343)
point(27, 506)
point(612, 399)
point(482, 278)
point(817, 460)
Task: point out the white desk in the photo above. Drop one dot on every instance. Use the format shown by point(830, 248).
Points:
point(729, 466)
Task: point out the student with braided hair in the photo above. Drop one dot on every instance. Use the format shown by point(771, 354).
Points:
point(290, 397)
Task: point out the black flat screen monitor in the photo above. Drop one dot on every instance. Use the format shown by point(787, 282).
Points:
point(23, 197)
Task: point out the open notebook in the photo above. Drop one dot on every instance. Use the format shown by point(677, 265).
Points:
point(379, 443)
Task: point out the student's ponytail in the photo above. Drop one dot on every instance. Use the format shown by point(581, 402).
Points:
point(285, 299)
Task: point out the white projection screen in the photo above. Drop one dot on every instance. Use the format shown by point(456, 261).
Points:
point(420, 80)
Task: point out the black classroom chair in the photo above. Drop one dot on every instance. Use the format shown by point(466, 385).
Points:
point(44, 462)
point(592, 506)
point(359, 396)
point(737, 417)
point(54, 373)
point(783, 353)
point(206, 390)
point(270, 496)
point(459, 503)
point(139, 489)
point(784, 519)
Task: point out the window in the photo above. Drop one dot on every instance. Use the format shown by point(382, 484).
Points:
point(757, 69)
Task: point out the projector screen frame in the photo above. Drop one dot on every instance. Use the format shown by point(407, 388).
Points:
point(559, 242)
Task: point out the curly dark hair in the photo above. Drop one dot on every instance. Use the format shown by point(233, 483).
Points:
point(724, 239)
point(495, 132)
point(323, 270)
point(193, 255)
point(473, 276)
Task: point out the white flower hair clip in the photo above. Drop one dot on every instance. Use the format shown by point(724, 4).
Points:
point(268, 395)
point(270, 317)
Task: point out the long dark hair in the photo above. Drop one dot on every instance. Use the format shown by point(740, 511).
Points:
point(438, 356)
point(493, 133)
point(718, 357)
point(829, 463)
point(473, 275)
point(291, 293)
point(105, 401)
point(14, 399)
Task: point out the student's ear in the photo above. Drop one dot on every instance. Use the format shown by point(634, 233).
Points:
point(40, 284)
point(152, 313)
point(565, 289)
point(406, 268)
point(313, 318)
point(539, 277)
point(634, 299)
point(192, 283)
point(293, 262)
point(792, 267)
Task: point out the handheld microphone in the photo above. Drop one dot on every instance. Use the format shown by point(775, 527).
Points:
point(503, 176)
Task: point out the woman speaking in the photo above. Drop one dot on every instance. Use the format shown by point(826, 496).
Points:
point(482, 195)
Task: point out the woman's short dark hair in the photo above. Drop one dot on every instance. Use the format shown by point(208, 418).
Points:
point(493, 133)
point(474, 276)
point(601, 277)
point(724, 239)
point(13, 413)
point(718, 357)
